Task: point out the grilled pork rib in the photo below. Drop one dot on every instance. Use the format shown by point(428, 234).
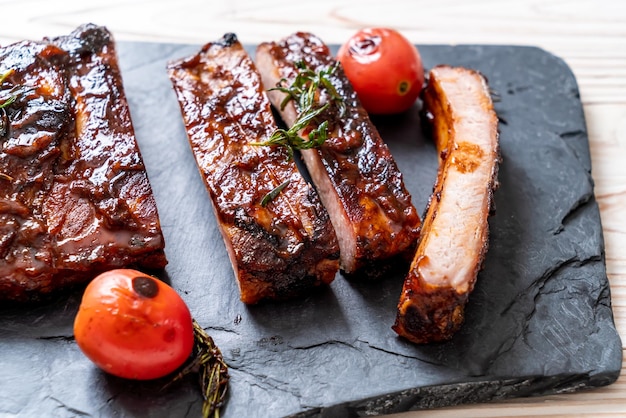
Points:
point(74, 196)
point(455, 232)
point(277, 250)
point(353, 171)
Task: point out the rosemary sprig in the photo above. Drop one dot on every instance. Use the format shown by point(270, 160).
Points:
point(212, 371)
point(12, 97)
point(291, 139)
point(273, 193)
point(4, 121)
point(306, 84)
point(304, 90)
point(12, 94)
point(6, 102)
point(6, 75)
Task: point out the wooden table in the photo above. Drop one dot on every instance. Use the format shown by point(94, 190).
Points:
point(589, 35)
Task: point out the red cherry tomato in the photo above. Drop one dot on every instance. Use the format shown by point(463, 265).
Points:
point(133, 326)
point(384, 68)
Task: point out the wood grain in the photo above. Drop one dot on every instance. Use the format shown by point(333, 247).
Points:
point(589, 35)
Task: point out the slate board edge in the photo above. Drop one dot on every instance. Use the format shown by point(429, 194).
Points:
point(462, 393)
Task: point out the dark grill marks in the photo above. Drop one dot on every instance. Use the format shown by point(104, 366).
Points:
point(354, 172)
point(278, 250)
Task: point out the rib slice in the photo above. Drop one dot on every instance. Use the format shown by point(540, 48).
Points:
point(455, 233)
point(277, 250)
point(353, 171)
point(74, 196)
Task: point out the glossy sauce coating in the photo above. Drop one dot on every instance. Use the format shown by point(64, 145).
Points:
point(77, 200)
point(278, 250)
point(356, 175)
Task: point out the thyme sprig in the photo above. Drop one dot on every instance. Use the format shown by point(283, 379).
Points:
point(291, 139)
point(8, 97)
point(305, 86)
point(305, 90)
point(273, 193)
point(6, 75)
point(212, 372)
point(12, 96)
point(6, 102)
point(4, 121)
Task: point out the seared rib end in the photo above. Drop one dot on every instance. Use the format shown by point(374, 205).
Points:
point(266, 272)
point(256, 287)
point(434, 316)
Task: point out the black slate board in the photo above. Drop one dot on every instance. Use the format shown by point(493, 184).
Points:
point(539, 320)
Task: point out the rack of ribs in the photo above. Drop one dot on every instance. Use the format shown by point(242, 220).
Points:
point(353, 170)
point(455, 233)
point(279, 249)
point(75, 199)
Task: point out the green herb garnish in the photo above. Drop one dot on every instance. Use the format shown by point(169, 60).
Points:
point(4, 121)
point(4, 102)
point(13, 93)
point(305, 92)
point(6, 75)
point(304, 88)
point(272, 194)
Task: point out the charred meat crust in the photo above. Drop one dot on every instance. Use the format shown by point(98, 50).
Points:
point(278, 250)
point(354, 172)
point(74, 196)
point(455, 232)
